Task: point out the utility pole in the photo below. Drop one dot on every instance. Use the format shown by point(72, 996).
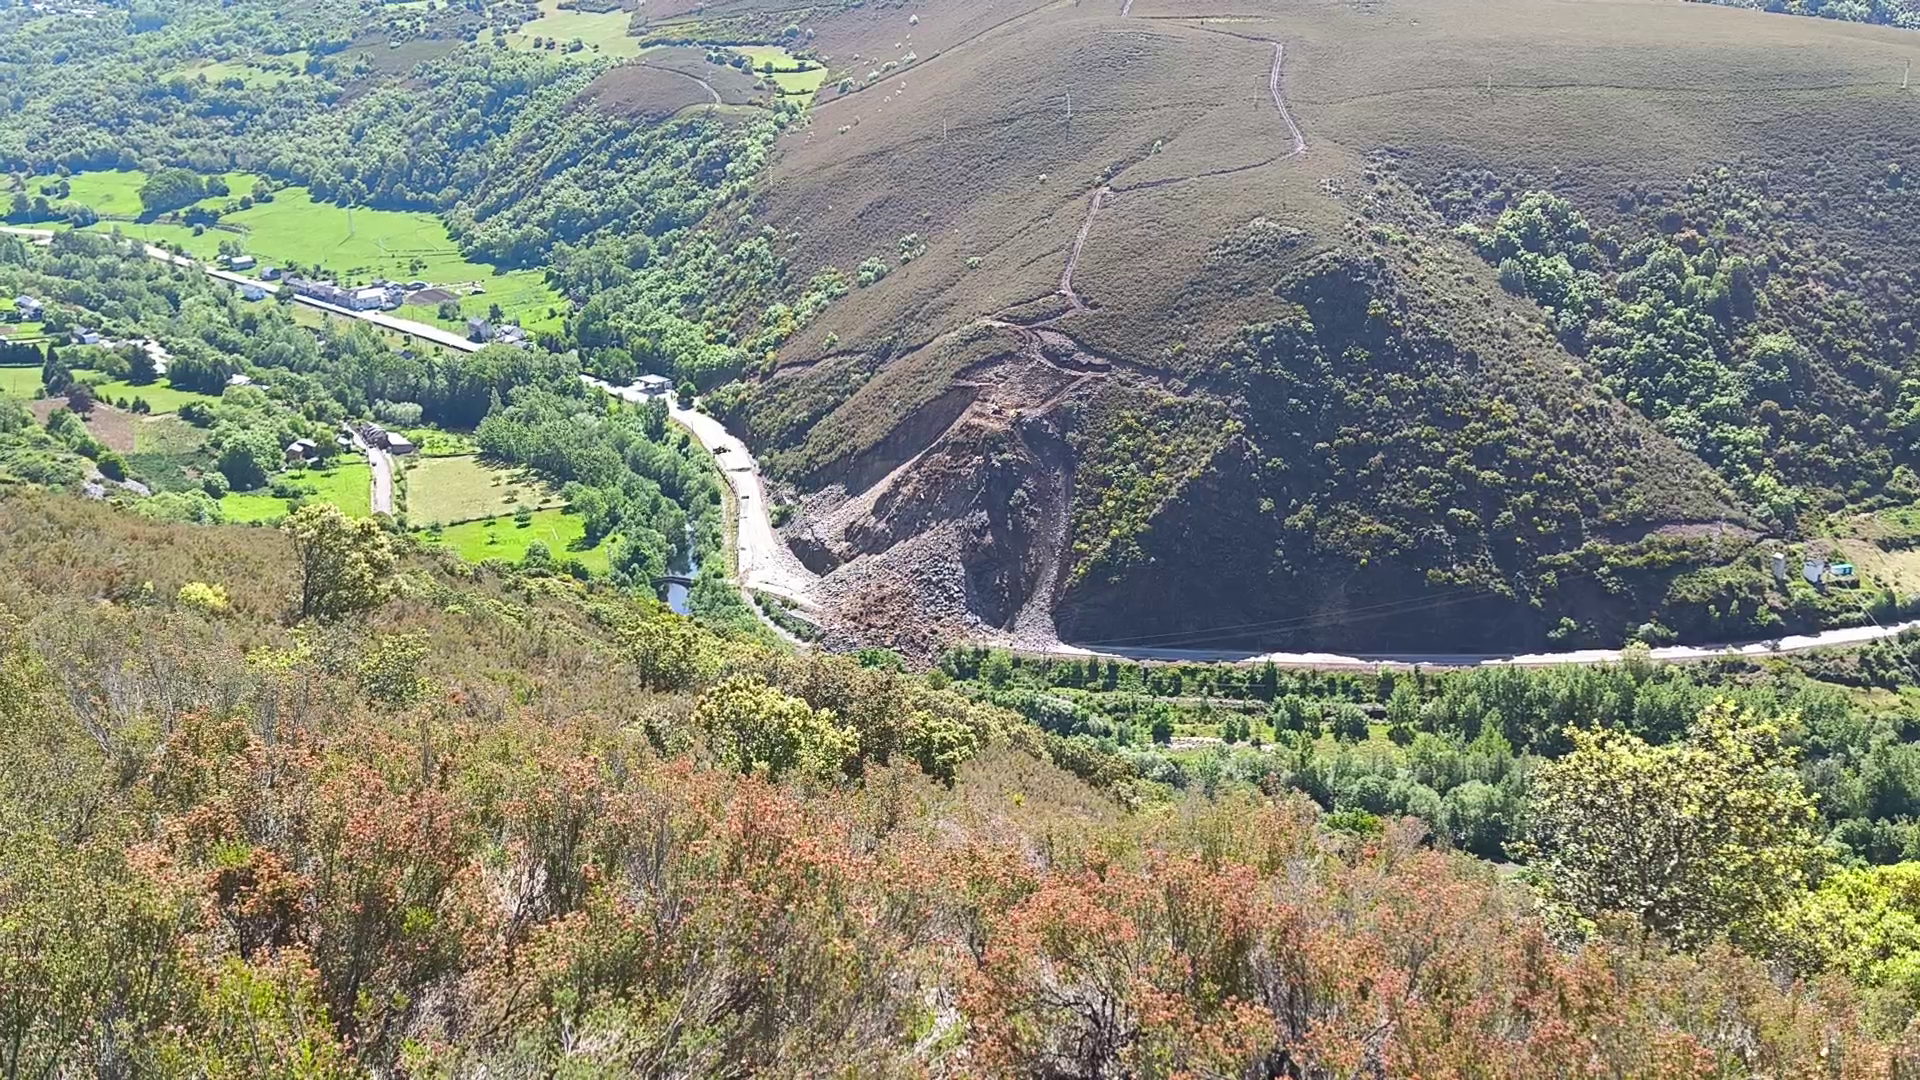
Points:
point(1906, 80)
point(1069, 106)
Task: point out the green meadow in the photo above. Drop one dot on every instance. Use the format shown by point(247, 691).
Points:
point(161, 395)
point(349, 487)
point(795, 77)
point(449, 490)
point(505, 538)
point(254, 75)
point(116, 193)
point(353, 245)
point(606, 31)
point(22, 382)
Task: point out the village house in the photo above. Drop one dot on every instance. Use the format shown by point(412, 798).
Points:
point(300, 451)
point(241, 262)
point(30, 310)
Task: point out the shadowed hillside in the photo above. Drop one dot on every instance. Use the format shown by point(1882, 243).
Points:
point(1164, 325)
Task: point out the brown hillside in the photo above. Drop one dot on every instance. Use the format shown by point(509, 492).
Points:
point(1175, 191)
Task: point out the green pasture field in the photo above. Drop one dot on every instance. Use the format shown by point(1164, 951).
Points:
point(168, 452)
point(167, 435)
point(359, 245)
point(349, 487)
point(20, 382)
point(435, 443)
point(504, 538)
point(116, 193)
point(451, 490)
point(252, 509)
point(795, 77)
point(606, 32)
point(254, 75)
point(161, 395)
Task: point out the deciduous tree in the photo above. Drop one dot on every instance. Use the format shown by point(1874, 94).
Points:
point(1695, 839)
point(345, 566)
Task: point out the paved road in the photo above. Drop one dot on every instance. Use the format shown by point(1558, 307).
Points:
point(1793, 643)
point(764, 560)
point(381, 463)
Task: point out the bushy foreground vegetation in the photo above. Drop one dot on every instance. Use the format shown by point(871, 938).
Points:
point(458, 822)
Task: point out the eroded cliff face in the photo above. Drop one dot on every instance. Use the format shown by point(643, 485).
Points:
point(1360, 471)
point(957, 521)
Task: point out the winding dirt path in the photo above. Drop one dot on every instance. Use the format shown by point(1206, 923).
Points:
point(1280, 101)
point(704, 84)
point(1079, 243)
point(1102, 193)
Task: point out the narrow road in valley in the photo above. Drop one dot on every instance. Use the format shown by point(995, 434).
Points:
point(764, 562)
point(1856, 635)
point(381, 463)
point(409, 327)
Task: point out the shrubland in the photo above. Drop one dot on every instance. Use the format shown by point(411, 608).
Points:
point(473, 821)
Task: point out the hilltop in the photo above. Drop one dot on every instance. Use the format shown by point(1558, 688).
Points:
point(1203, 357)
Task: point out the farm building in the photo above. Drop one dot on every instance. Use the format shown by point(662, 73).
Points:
point(654, 385)
point(252, 292)
point(241, 262)
point(301, 450)
point(30, 309)
point(398, 444)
